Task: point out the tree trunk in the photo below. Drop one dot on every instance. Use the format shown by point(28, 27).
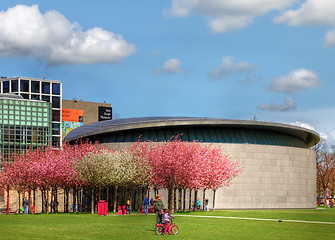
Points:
point(29, 199)
point(19, 202)
point(92, 201)
point(170, 198)
point(115, 199)
point(52, 202)
point(75, 201)
point(66, 200)
point(190, 201)
point(179, 199)
point(56, 200)
point(203, 199)
point(214, 192)
point(174, 200)
point(195, 199)
point(34, 199)
point(8, 200)
point(43, 200)
point(184, 200)
point(47, 202)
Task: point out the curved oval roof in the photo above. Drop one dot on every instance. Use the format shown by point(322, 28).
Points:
point(310, 137)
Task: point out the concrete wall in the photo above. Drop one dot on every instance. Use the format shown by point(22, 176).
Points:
point(273, 177)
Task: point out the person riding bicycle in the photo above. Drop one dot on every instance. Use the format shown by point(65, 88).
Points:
point(167, 218)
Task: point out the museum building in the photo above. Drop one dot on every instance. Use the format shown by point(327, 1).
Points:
point(279, 169)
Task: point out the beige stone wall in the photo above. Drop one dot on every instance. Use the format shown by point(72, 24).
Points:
point(90, 109)
point(272, 177)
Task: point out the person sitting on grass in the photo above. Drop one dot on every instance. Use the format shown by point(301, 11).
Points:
point(167, 218)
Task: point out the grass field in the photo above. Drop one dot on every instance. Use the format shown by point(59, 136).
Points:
point(210, 225)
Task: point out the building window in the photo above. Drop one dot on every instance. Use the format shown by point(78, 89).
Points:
point(15, 87)
point(35, 87)
point(24, 86)
point(56, 102)
point(56, 115)
point(55, 89)
point(5, 86)
point(46, 87)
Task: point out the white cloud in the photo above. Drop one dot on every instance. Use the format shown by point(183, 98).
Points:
point(171, 66)
point(228, 68)
point(304, 125)
point(330, 38)
point(289, 105)
point(295, 81)
point(311, 12)
point(25, 31)
point(226, 15)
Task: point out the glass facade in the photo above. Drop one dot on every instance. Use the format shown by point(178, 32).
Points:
point(40, 90)
point(23, 124)
point(204, 134)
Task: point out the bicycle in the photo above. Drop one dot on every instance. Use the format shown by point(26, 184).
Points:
point(160, 228)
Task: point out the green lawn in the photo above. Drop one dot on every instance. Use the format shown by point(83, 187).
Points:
point(87, 226)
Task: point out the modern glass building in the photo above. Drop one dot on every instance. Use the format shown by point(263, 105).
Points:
point(23, 124)
point(39, 89)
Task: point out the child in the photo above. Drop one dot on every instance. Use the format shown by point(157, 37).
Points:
point(167, 218)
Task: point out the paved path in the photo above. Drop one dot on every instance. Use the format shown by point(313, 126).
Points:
point(259, 219)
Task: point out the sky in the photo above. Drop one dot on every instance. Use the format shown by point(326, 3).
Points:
point(267, 60)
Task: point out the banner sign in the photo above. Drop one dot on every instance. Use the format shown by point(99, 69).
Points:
point(72, 115)
point(105, 113)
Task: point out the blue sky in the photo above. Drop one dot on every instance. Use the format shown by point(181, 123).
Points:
point(269, 59)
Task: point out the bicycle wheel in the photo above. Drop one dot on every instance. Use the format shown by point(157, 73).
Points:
point(159, 230)
point(174, 229)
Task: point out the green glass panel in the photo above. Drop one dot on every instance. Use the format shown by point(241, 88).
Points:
point(23, 108)
point(17, 122)
point(28, 103)
point(11, 122)
point(5, 121)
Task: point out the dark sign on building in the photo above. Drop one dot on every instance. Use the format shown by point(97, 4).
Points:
point(105, 113)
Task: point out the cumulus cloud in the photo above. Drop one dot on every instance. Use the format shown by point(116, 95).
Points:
point(225, 15)
point(25, 31)
point(171, 66)
point(311, 12)
point(304, 125)
point(289, 105)
point(295, 81)
point(228, 68)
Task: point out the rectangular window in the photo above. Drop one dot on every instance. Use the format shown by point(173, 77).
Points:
point(55, 88)
point(55, 115)
point(46, 87)
point(46, 98)
point(25, 96)
point(35, 87)
point(24, 85)
point(15, 87)
point(5, 86)
point(35, 97)
point(56, 102)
